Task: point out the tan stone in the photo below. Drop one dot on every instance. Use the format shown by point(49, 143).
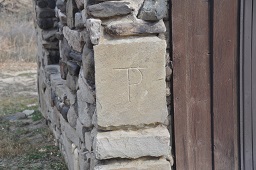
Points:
point(130, 82)
point(153, 142)
point(140, 164)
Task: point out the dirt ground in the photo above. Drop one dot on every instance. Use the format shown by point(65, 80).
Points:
point(25, 140)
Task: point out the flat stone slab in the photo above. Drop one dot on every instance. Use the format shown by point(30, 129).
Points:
point(132, 144)
point(130, 82)
point(138, 27)
point(136, 165)
point(109, 9)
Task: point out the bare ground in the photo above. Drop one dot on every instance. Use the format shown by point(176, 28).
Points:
point(25, 141)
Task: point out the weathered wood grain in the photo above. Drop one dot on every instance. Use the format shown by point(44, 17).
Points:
point(225, 73)
point(192, 89)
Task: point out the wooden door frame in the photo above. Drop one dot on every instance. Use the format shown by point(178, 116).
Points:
point(247, 85)
point(225, 84)
point(205, 78)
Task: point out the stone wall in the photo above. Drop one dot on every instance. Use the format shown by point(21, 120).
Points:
point(104, 77)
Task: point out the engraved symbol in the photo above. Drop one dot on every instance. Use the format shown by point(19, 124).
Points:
point(134, 77)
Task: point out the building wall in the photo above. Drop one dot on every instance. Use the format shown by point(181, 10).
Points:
point(104, 79)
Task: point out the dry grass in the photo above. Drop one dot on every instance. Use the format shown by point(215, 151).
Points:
point(17, 34)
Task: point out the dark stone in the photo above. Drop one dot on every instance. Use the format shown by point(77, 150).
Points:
point(51, 45)
point(65, 50)
point(45, 23)
point(51, 3)
point(88, 66)
point(45, 13)
point(59, 35)
point(62, 18)
point(73, 68)
point(63, 70)
point(153, 10)
point(52, 69)
point(75, 56)
point(50, 35)
point(61, 5)
point(136, 28)
point(109, 9)
point(53, 57)
point(42, 4)
point(87, 39)
point(64, 112)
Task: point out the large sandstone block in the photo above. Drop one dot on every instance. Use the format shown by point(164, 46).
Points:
point(130, 82)
point(140, 164)
point(132, 144)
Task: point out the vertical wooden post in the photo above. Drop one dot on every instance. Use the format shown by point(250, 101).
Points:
point(192, 89)
point(225, 66)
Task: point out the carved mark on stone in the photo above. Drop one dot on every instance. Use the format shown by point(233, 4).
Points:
point(134, 77)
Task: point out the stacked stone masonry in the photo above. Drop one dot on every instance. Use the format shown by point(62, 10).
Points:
point(104, 79)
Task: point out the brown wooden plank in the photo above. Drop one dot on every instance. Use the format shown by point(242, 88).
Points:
point(225, 37)
point(246, 88)
point(192, 92)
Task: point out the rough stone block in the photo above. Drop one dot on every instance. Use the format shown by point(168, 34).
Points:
point(109, 9)
point(136, 5)
point(75, 56)
point(49, 35)
point(51, 45)
point(153, 142)
point(73, 68)
point(94, 28)
point(79, 20)
point(64, 50)
point(88, 141)
point(65, 94)
point(61, 4)
point(83, 161)
point(54, 116)
point(53, 56)
point(71, 82)
point(80, 130)
point(72, 117)
point(138, 27)
point(67, 148)
point(85, 111)
point(45, 13)
point(74, 38)
point(63, 70)
point(130, 81)
point(71, 9)
point(153, 10)
point(70, 132)
point(86, 92)
point(42, 3)
point(62, 17)
point(51, 3)
point(140, 164)
point(45, 23)
point(88, 65)
point(80, 4)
